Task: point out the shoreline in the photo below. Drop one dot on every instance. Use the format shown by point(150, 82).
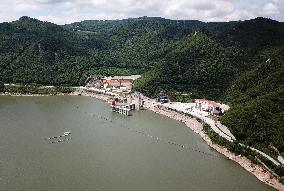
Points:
point(30, 95)
point(257, 170)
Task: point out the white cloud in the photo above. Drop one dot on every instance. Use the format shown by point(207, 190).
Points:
point(66, 11)
point(21, 6)
point(270, 9)
point(55, 1)
point(240, 15)
point(280, 6)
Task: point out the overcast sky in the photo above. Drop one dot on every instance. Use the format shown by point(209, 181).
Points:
point(67, 11)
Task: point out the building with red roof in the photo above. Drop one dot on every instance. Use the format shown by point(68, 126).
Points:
point(208, 105)
point(118, 83)
point(113, 83)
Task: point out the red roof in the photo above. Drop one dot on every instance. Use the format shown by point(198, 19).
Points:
point(212, 103)
point(117, 81)
point(111, 81)
point(125, 81)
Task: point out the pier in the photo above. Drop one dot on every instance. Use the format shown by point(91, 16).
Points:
point(125, 110)
point(122, 108)
point(126, 105)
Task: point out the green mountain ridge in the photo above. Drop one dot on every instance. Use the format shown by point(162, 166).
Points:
point(257, 98)
point(239, 62)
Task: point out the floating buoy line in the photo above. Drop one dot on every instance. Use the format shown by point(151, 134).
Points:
point(155, 138)
point(60, 138)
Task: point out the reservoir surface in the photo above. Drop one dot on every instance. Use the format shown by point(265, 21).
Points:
point(106, 151)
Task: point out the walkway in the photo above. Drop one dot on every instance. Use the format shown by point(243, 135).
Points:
point(217, 127)
point(189, 108)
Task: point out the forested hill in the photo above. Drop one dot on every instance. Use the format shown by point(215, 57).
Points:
point(257, 100)
point(32, 51)
point(240, 62)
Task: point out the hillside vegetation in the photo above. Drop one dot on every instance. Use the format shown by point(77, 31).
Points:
point(240, 63)
point(257, 99)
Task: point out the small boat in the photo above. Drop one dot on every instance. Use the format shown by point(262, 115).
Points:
point(67, 133)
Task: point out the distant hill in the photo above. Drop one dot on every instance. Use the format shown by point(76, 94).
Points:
point(32, 51)
point(239, 62)
point(71, 52)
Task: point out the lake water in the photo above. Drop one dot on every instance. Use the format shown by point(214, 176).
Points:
point(106, 151)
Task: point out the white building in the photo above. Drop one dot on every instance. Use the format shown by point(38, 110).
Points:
point(208, 105)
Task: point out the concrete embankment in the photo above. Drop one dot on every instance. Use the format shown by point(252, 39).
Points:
point(216, 126)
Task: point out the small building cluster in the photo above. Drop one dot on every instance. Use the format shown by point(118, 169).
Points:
point(114, 84)
point(203, 106)
point(119, 88)
point(163, 97)
point(210, 106)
